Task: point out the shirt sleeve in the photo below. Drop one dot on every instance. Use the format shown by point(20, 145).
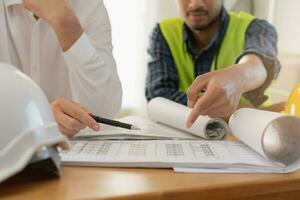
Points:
point(261, 40)
point(162, 78)
point(92, 70)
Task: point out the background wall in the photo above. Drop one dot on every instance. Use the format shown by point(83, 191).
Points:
point(286, 20)
point(128, 37)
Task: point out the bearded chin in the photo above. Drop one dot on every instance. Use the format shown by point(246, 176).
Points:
point(201, 27)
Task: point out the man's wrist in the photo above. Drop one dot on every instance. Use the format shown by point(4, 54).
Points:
point(62, 17)
point(253, 72)
point(67, 28)
point(240, 77)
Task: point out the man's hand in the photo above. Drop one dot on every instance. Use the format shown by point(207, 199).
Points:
point(49, 10)
point(59, 15)
point(72, 117)
point(223, 89)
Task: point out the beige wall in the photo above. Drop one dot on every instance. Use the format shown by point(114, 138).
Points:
point(287, 22)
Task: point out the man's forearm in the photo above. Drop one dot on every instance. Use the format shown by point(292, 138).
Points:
point(59, 15)
point(253, 72)
point(67, 29)
point(223, 88)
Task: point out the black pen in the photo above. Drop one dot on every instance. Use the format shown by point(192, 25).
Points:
point(114, 123)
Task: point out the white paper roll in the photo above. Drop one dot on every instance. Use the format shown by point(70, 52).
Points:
point(175, 115)
point(274, 135)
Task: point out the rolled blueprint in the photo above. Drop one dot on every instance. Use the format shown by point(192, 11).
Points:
point(175, 115)
point(276, 136)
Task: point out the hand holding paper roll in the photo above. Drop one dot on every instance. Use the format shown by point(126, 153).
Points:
point(174, 115)
point(221, 97)
point(224, 88)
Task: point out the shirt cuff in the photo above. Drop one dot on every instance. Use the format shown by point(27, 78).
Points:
point(257, 96)
point(80, 52)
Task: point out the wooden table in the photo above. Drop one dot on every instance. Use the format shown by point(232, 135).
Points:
point(150, 184)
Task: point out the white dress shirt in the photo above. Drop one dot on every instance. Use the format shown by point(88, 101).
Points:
point(85, 73)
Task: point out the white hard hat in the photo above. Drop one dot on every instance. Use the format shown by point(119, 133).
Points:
point(28, 130)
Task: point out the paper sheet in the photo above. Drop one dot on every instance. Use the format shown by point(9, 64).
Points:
point(230, 170)
point(149, 130)
point(187, 154)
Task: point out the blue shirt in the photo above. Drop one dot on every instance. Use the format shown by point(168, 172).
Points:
point(162, 77)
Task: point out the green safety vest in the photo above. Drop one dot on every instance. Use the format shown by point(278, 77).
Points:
point(232, 46)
